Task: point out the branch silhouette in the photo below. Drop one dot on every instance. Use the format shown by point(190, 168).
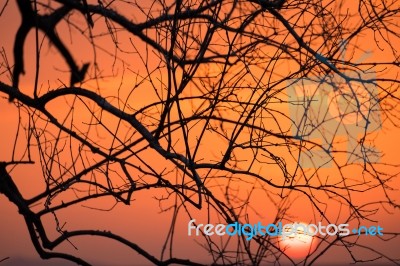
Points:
point(47, 24)
point(223, 112)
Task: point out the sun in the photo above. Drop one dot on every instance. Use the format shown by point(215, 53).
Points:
point(297, 243)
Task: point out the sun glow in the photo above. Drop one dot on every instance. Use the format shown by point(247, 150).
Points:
point(299, 244)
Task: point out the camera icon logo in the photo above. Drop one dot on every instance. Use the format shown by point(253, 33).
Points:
point(322, 109)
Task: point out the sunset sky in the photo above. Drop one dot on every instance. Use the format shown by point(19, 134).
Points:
point(121, 80)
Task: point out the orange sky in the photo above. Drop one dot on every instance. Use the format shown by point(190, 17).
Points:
point(142, 222)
